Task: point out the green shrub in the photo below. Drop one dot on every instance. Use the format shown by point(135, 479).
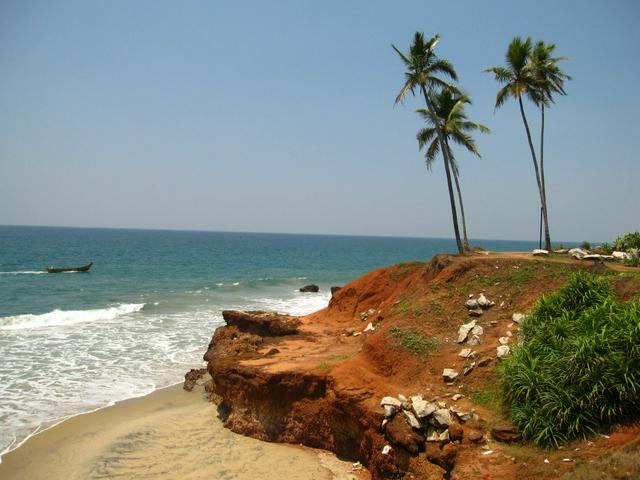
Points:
point(585, 245)
point(605, 248)
point(632, 262)
point(627, 241)
point(578, 368)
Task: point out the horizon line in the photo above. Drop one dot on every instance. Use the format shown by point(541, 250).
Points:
point(195, 230)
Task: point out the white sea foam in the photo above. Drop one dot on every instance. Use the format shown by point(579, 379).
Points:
point(67, 317)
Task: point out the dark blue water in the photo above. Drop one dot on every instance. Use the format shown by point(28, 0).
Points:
point(145, 312)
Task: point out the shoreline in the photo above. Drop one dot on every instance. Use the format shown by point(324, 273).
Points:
point(167, 433)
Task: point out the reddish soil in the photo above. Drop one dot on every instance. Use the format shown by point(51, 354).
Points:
point(309, 380)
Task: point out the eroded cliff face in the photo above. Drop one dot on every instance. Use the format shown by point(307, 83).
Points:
point(318, 380)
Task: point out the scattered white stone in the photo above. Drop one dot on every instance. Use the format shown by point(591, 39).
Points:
point(578, 253)
point(384, 423)
point(416, 398)
point(622, 255)
point(503, 351)
point(442, 404)
point(463, 331)
point(457, 397)
point(476, 312)
point(501, 304)
point(386, 450)
point(402, 398)
point(444, 436)
point(471, 295)
point(370, 327)
point(518, 317)
point(390, 401)
point(509, 334)
point(484, 302)
point(472, 303)
point(413, 421)
point(442, 417)
point(449, 374)
point(465, 353)
point(539, 252)
point(546, 460)
point(390, 410)
point(432, 435)
point(504, 340)
point(488, 452)
point(474, 340)
point(423, 409)
point(567, 460)
point(477, 330)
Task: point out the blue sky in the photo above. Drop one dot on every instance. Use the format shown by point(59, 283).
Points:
point(279, 117)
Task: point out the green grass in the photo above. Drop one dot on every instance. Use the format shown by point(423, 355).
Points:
point(344, 356)
point(578, 369)
point(487, 397)
point(324, 366)
point(414, 342)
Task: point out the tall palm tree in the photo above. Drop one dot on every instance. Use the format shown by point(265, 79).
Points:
point(519, 79)
point(448, 111)
point(550, 79)
point(423, 73)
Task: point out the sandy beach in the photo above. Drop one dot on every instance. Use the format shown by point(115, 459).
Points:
point(165, 435)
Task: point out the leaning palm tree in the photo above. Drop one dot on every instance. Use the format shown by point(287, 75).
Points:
point(423, 73)
point(448, 111)
point(550, 79)
point(520, 79)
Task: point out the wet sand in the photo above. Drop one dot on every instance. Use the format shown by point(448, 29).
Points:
point(168, 434)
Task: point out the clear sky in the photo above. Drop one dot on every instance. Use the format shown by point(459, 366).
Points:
point(278, 116)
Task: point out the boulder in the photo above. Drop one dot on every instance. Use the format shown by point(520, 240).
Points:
point(485, 361)
point(505, 433)
point(311, 288)
point(191, 378)
point(469, 368)
point(456, 433)
point(442, 417)
point(390, 401)
point(334, 290)
point(539, 252)
point(503, 351)
point(390, 410)
point(476, 312)
point(370, 327)
point(444, 457)
point(578, 253)
point(465, 353)
point(474, 436)
point(473, 340)
point(518, 317)
point(622, 255)
point(423, 409)
point(477, 330)
point(504, 340)
point(411, 419)
point(484, 302)
point(449, 374)
point(264, 324)
point(400, 433)
point(464, 330)
point(472, 303)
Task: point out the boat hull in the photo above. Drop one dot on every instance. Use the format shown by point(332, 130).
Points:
point(83, 268)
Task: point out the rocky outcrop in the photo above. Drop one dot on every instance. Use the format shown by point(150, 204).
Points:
point(191, 378)
point(265, 324)
point(312, 288)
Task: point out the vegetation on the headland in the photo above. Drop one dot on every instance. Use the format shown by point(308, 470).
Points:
point(414, 342)
point(578, 367)
point(628, 241)
point(532, 71)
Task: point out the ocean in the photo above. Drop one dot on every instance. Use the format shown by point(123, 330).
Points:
point(145, 312)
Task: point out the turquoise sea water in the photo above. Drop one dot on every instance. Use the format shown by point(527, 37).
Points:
point(145, 313)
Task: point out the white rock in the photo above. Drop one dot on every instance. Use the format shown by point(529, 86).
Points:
point(578, 253)
point(423, 409)
point(444, 436)
point(457, 397)
point(474, 340)
point(592, 256)
point(413, 421)
point(509, 334)
point(384, 423)
point(622, 255)
point(539, 252)
point(518, 317)
point(386, 450)
point(464, 330)
point(449, 374)
point(402, 398)
point(370, 327)
point(432, 435)
point(472, 303)
point(503, 351)
point(465, 353)
point(390, 401)
point(504, 340)
point(390, 410)
point(442, 417)
point(416, 398)
point(484, 302)
point(477, 330)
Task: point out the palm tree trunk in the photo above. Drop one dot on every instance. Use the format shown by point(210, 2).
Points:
point(547, 236)
point(456, 178)
point(535, 166)
point(447, 169)
point(464, 220)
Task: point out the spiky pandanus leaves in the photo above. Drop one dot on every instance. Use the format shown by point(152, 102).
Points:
point(578, 368)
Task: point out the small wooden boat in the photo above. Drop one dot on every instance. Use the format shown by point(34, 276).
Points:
point(83, 268)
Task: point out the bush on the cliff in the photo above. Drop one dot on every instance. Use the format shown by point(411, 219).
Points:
point(578, 368)
point(628, 241)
